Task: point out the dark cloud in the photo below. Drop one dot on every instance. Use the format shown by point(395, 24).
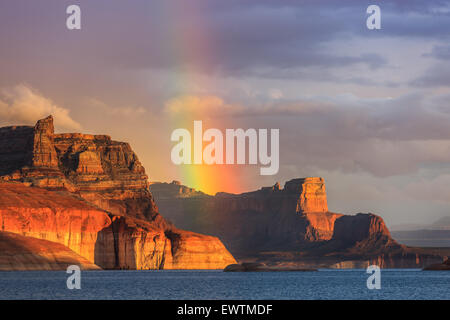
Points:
point(439, 52)
point(229, 37)
point(436, 76)
point(115, 74)
point(383, 137)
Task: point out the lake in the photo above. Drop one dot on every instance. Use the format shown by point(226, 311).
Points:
point(202, 284)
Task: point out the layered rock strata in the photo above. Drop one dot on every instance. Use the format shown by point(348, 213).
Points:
point(109, 241)
point(90, 193)
point(267, 219)
point(290, 226)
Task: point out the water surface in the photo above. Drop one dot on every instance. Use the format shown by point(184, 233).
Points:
point(165, 284)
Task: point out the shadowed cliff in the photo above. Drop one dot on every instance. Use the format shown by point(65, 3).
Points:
point(290, 225)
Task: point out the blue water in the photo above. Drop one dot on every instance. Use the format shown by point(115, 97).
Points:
point(324, 284)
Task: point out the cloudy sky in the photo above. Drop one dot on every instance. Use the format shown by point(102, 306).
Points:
point(368, 110)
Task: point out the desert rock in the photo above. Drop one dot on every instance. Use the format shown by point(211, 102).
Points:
point(90, 194)
point(290, 225)
point(26, 253)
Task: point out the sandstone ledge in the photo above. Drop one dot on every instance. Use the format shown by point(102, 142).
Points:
point(109, 241)
point(19, 253)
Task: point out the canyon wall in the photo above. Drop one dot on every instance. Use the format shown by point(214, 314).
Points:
point(290, 226)
point(109, 241)
point(91, 194)
point(267, 219)
point(105, 172)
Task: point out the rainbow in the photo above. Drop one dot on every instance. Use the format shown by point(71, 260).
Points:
point(192, 47)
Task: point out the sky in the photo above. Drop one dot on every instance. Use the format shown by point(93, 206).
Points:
point(367, 110)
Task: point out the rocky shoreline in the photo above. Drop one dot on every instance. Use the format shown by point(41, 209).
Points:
point(439, 266)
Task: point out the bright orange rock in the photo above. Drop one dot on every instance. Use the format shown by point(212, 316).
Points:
point(25, 253)
point(96, 201)
point(54, 216)
point(312, 196)
point(108, 241)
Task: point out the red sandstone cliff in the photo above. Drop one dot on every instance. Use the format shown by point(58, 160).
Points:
point(290, 226)
point(104, 172)
point(91, 194)
point(268, 219)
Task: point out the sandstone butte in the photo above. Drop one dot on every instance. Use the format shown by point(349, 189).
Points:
point(87, 198)
point(290, 227)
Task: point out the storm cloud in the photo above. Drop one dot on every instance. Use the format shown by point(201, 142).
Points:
point(366, 109)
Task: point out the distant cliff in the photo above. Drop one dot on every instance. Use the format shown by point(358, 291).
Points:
point(436, 234)
point(267, 219)
point(290, 225)
point(90, 194)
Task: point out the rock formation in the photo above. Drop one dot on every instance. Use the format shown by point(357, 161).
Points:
point(290, 225)
point(26, 253)
point(53, 216)
point(90, 193)
point(175, 190)
point(267, 219)
point(104, 172)
point(311, 194)
point(445, 266)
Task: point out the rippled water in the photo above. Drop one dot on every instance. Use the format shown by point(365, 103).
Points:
point(325, 284)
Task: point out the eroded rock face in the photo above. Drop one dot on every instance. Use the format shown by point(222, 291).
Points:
point(44, 153)
point(109, 217)
point(175, 190)
point(107, 240)
point(268, 219)
point(26, 253)
point(312, 196)
point(105, 172)
point(290, 225)
point(52, 216)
